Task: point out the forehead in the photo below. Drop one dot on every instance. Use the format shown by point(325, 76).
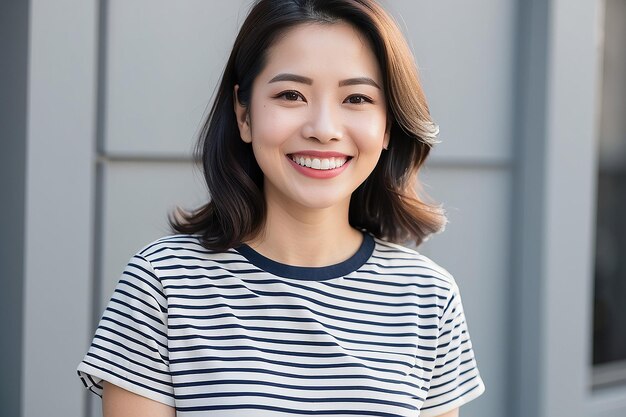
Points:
point(322, 49)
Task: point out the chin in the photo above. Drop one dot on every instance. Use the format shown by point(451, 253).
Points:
point(320, 203)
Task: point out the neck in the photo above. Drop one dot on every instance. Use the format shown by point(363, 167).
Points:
point(309, 237)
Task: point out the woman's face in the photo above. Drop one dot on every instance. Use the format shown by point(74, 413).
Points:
point(317, 116)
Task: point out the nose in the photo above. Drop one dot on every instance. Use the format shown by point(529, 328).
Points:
point(324, 124)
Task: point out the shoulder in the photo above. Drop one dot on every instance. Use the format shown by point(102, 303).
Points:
point(170, 243)
point(182, 252)
point(411, 264)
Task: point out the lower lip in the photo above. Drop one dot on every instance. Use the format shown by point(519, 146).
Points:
point(318, 173)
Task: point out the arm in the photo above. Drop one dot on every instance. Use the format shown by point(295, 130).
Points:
point(117, 402)
point(451, 413)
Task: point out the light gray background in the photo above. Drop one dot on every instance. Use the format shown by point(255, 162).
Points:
point(116, 93)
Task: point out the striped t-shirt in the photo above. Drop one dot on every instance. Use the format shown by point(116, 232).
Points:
point(234, 334)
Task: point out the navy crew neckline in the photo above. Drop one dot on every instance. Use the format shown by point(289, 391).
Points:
point(311, 273)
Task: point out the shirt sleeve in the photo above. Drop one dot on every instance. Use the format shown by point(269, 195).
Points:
point(129, 348)
point(455, 378)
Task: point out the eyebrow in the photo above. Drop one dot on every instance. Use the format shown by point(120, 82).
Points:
point(358, 81)
point(292, 77)
point(306, 80)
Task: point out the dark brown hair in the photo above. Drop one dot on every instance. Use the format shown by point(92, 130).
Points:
point(387, 203)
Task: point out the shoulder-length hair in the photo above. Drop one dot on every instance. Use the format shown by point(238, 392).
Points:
point(386, 204)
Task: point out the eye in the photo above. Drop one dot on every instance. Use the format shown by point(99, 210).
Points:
point(358, 99)
point(290, 95)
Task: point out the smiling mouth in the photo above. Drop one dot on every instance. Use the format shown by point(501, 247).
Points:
point(322, 164)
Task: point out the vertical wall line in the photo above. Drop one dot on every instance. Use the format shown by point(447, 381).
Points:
point(528, 213)
point(98, 163)
point(98, 186)
point(14, 38)
point(516, 215)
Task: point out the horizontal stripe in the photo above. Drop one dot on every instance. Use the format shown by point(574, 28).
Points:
point(289, 376)
point(348, 388)
point(139, 336)
point(140, 378)
point(286, 411)
point(296, 308)
point(281, 294)
point(299, 400)
point(291, 342)
point(295, 331)
point(218, 333)
point(242, 348)
point(123, 349)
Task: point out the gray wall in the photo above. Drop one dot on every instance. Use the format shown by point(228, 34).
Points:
point(467, 71)
point(60, 157)
point(556, 104)
point(117, 90)
point(14, 52)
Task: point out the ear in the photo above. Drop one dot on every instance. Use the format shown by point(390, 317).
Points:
point(387, 136)
point(243, 118)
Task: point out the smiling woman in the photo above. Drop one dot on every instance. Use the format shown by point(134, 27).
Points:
point(237, 210)
point(288, 293)
point(308, 105)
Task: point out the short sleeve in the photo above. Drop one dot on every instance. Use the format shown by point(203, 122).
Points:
point(455, 378)
point(129, 348)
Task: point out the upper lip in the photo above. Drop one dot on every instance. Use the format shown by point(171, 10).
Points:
point(321, 154)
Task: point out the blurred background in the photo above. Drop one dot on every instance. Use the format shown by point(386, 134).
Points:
point(100, 104)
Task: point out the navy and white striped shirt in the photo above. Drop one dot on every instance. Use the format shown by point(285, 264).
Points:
point(234, 333)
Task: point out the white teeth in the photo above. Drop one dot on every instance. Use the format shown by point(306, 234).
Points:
point(319, 163)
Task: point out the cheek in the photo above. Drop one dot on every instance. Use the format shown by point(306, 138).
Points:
point(368, 129)
point(272, 126)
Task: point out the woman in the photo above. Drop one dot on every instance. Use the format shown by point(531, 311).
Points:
point(288, 293)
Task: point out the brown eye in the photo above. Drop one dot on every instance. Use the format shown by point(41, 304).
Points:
point(291, 96)
point(358, 99)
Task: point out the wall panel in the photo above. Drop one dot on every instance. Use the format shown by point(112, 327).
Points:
point(59, 206)
point(163, 61)
point(475, 249)
point(136, 199)
point(465, 53)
